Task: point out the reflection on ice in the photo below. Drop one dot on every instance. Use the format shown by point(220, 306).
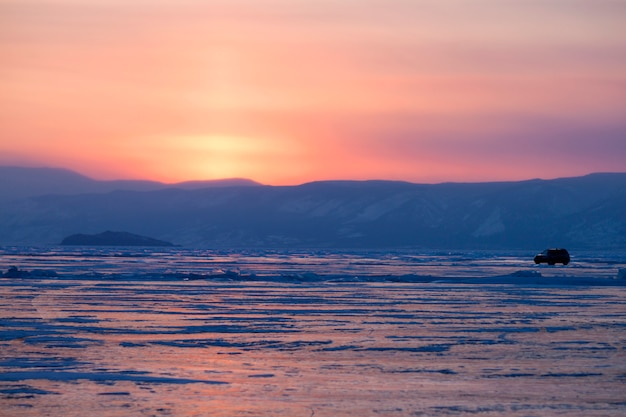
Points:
point(123, 340)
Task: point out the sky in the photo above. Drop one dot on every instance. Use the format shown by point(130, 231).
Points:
point(291, 91)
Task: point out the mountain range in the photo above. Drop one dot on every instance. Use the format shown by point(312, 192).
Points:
point(20, 182)
point(42, 206)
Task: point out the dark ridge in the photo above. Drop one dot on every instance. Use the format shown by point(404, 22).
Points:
point(109, 238)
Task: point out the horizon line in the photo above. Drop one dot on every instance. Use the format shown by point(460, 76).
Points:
point(257, 183)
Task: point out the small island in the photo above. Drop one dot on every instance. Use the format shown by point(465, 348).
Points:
point(109, 238)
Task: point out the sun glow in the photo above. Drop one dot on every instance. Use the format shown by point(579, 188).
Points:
point(215, 156)
point(285, 92)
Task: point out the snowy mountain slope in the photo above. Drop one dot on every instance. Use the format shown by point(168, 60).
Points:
point(583, 212)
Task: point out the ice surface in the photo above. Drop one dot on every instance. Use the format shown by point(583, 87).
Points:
point(184, 333)
point(589, 268)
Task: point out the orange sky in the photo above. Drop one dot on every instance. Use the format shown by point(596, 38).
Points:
point(289, 91)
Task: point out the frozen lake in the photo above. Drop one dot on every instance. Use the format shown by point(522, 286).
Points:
point(180, 332)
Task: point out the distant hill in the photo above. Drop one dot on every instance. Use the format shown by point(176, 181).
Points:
point(19, 182)
point(583, 212)
point(109, 238)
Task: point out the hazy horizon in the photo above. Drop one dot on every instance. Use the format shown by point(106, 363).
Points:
point(190, 180)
